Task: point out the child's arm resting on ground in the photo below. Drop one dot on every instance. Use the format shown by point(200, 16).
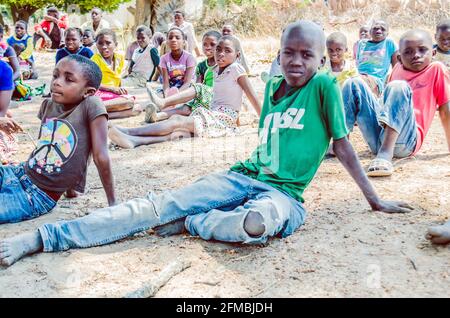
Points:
point(99, 139)
point(347, 156)
point(250, 93)
point(444, 114)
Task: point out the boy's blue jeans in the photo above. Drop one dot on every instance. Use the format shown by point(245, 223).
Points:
point(215, 207)
point(396, 111)
point(20, 199)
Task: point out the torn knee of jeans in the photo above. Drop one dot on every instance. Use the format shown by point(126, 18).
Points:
point(254, 224)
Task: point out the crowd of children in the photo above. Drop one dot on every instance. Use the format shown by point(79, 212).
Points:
point(391, 92)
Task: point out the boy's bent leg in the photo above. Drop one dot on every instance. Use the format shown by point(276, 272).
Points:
point(400, 133)
point(114, 223)
point(268, 214)
point(361, 106)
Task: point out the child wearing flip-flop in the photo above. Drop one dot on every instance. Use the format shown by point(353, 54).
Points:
point(397, 126)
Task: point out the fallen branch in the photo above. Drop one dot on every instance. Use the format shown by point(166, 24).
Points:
point(150, 288)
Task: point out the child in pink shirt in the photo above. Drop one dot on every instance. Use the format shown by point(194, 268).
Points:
point(417, 88)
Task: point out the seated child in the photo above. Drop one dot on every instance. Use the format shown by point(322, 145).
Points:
point(257, 199)
point(178, 65)
point(88, 40)
point(275, 69)
point(228, 29)
point(397, 126)
point(220, 119)
point(336, 63)
point(73, 127)
point(439, 234)
point(442, 46)
point(198, 94)
point(73, 45)
point(144, 62)
point(22, 42)
point(364, 35)
point(375, 56)
point(115, 97)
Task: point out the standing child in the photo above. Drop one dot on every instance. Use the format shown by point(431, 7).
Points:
point(188, 29)
point(220, 119)
point(144, 62)
point(375, 56)
point(73, 38)
point(178, 65)
point(115, 97)
point(198, 94)
point(25, 41)
point(442, 46)
point(336, 63)
point(397, 126)
point(73, 127)
point(255, 200)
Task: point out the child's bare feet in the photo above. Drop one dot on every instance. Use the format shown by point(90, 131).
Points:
point(120, 138)
point(439, 234)
point(172, 228)
point(13, 249)
point(71, 194)
point(150, 113)
point(154, 98)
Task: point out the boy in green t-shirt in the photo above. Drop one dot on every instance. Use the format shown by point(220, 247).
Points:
point(256, 199)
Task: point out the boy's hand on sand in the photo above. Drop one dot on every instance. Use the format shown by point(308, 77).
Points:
point(9, 126)
point(392, 207)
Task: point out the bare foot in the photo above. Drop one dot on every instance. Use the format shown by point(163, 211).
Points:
point(13, 249)
point(159, 102)
point(172, 228)
point(439, 234)
point(71, 194)
point(119, 138)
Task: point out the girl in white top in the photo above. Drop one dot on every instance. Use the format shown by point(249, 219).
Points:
point(230, 81)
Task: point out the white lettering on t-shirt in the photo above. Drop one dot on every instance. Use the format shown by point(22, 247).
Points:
point(289, 119)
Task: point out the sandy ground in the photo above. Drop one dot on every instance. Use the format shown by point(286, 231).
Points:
point(343, 250)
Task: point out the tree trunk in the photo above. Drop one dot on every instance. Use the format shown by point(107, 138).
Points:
point(22, 12)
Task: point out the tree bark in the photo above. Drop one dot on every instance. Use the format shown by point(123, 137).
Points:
point(22, 12)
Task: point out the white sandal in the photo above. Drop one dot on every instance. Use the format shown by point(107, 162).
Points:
point(380, 168)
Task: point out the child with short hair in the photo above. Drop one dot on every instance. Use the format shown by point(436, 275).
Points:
point(114, 96)
point(363, 35)
point(228, 29)
point(255, 200)
point(198, 94)
point(375, 56)
point(73, 127)
point(220, 119)
point(73, 38)
point(21, 39)
point(442, 45)
point(179, 21)
point(397, 125)
point(178, 65)
point(144, 61)
point(88, 40)
point(336, 63)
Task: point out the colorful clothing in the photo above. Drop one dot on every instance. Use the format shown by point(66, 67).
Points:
point(205, 71)
point(60, 159)
point(430, 89)
point(26, 42)
point(374, 59)
point(221, 121)
point(441, 56)
point(6, 77)
point(349, 71)
point(111, 77)
point(90, 25)
point(6, 51)
point(203, 96)
point(52, 30)
point(286, 158)
point(145, 62)
point(177, 68)
point(83, 51)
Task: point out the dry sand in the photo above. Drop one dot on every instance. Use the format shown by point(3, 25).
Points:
point(343, 250)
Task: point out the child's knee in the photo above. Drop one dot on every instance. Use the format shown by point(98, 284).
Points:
point(254, 224)
point(398, 85)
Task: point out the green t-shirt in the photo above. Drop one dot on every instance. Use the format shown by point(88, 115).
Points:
point(205, 70)
point(295, 132)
